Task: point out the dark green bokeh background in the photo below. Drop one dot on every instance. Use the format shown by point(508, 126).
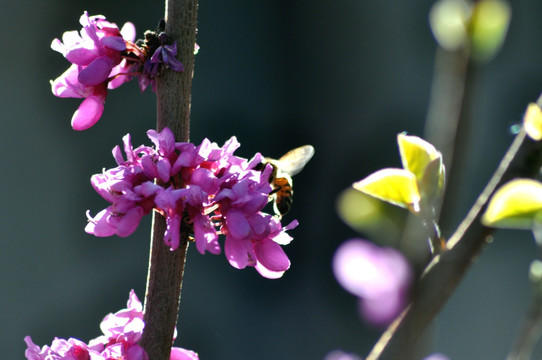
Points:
point(345, 76)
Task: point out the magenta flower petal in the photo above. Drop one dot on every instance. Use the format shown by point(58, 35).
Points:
point(62, 47)
point(237, 252)
point(266, 273)
point(182, 354)
point(206, 180)
point(128, 31)
point(156, 167)
point(33, 351)
point(96, 72)
point(81, 55)
point(108, 222)
point(282, 237)
point(130, 221)
point(148, 189)
point(134, 352)
point(205, 234)
point(163, 140)
point(116, 43)
point(121, 74)
point(172, 234)
point(167, 53)
point(187, 158)
point(238, 226)
point(133, 302)
point(271, 255)
point(88, 113)
point(67, 85)
point(259, 224)
point(99, 225)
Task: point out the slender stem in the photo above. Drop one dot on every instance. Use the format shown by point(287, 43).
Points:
point(529, 334)
point(445, 271)
point(531, 328)
point(436, 243)
point(166, 267)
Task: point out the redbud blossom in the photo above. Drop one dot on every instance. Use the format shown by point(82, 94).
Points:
point(380, 277)
point(208, 186)
point(104, 57)
point(121, 334)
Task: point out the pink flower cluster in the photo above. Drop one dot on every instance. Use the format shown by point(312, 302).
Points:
point(121, 334)
point(380, 277)
point(217, 191)
point(104, 57)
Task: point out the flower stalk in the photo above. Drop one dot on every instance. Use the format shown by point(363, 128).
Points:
point(166, 267)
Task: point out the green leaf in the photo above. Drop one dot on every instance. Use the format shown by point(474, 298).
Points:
point(416, 154)
point(515, 205)
point(374, 218)
point(532, 121)
point(432, 183)
point(488, 25)
point(396, 186)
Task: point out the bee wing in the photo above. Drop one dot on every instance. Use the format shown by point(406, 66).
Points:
point(295, 160)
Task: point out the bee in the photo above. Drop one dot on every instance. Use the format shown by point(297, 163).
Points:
point(280, 179)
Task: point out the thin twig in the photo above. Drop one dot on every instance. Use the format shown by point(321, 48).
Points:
point(166, 267)
point(529, 334)
point(531, 327)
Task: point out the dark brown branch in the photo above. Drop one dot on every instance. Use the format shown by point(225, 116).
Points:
point(166, 267)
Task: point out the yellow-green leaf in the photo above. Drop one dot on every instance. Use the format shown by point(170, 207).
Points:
point(514, 205)
point(532, 121)
point(416, 154)
point(396, 186)
point(489, 24)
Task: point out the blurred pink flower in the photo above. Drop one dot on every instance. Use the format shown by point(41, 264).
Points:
point(341, 355)
point(437, 356)
point(379, 277)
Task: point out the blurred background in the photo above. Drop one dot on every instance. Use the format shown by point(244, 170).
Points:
point(345, 76)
